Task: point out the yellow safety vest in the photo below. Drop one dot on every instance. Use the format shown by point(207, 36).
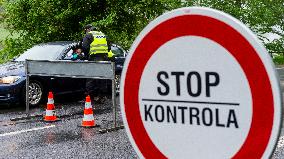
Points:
point(110, 54)
point(99, 45)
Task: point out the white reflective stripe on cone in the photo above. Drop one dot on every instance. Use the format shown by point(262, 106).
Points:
point(89, 117)
point(50, 113)
point(50, 101)
point(88, 105)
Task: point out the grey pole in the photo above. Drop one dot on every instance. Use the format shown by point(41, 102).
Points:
point(27, 88)
point(114, 95)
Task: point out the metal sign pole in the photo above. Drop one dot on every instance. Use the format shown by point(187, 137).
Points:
point(27, 89)
point(114, 95)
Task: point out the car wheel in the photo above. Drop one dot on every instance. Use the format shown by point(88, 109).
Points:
point(35, 94)
point(117, 84)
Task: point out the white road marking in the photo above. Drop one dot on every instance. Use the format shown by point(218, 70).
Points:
point(23, 131)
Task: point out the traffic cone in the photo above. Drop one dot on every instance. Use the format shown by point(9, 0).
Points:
point(50, 109)
point(88, 120)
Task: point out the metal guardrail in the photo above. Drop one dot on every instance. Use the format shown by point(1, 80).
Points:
point(73, 69)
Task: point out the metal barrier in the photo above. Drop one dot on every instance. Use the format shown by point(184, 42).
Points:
point(73, 69)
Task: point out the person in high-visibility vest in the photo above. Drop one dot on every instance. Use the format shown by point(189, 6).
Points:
point(96, 48)
point(95, 45)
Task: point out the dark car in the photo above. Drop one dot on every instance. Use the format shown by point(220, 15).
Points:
point(13, 78)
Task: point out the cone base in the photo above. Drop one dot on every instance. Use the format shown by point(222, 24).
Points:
point(87, 127)
point(50, 118)
point(88, 123)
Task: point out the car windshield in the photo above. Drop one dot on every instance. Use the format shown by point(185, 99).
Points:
point(42, 52)
point(117, 51)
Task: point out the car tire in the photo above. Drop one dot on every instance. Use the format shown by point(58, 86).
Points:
point(36, 93)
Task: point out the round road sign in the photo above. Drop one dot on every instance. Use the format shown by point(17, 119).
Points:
point(198, 84)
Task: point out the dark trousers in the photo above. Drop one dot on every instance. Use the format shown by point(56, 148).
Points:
point(96, 87)
point(98, 57)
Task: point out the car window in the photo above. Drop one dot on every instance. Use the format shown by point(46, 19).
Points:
point(117, 51)
point(42, 52)
point(68, 55)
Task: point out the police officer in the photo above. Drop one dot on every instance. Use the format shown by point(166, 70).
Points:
point(96, 48)
point(95, 45)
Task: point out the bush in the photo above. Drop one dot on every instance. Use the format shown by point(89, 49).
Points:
point(278, 60)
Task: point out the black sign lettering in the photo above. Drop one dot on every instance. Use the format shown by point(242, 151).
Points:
point(182, 113)
point(196, 116)
point(198, 84)
point(177, 74)
point(217, 119)
point(211, 83)
point(209, 117)
point(166, 86)
point(147, 112)
point(194, 113)
point(232, 119)
point(161, 112)
point(171, 114)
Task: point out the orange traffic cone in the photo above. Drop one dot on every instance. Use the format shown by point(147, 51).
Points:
point(88, 120)
point(50, 112)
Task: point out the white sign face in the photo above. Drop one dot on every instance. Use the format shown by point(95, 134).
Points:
point(194, 99)
point(194, 87)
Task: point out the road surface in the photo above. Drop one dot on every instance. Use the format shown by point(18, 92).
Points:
point(34, 138)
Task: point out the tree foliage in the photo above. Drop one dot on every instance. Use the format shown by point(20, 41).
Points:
point(262, 16)
point(40, 21)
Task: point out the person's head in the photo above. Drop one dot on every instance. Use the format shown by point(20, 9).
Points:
point(88, 28)
point(78, 51)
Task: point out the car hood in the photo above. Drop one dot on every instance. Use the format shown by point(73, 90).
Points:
point(12, 68)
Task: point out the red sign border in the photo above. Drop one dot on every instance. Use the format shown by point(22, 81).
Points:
point(236, 44)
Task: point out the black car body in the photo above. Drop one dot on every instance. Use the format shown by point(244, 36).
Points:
point(13, 78)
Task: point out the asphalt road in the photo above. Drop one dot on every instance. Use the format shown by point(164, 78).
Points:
point(34, 138)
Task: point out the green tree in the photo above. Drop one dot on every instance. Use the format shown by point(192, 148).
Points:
point(41, 21)
point(261, 16)
point(126, 19)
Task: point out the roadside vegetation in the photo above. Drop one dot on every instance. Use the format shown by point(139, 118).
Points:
point(38, 21)
point(6, 33)
point(278, 59)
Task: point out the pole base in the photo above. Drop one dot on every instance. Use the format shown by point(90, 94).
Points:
point(111, 129)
